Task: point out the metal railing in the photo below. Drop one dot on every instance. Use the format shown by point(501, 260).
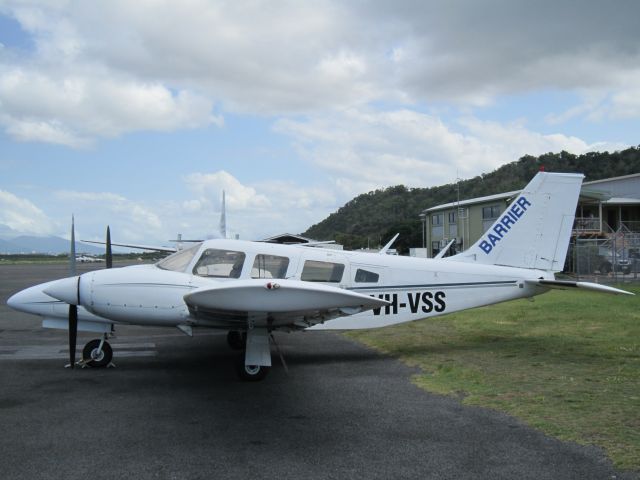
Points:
point(586, 224)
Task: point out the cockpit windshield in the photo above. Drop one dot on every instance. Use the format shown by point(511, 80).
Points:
point(179, 261)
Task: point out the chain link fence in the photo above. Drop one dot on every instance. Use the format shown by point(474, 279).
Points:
point(612, 260)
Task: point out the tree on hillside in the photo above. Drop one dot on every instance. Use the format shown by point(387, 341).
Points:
point(379, 214)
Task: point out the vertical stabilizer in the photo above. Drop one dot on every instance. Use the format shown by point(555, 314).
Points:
point(223, 218)
point(534, 230)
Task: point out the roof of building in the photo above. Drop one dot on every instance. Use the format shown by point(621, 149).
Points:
point(623, 177)
point(622, 201)
point(585, 193)
point(461, 203)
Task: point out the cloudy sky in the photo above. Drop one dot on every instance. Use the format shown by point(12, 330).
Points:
point(138, 114)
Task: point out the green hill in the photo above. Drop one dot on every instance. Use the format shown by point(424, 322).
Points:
point(373, 218)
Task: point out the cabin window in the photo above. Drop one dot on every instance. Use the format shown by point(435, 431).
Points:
point(269, 266)
point(220, 263)
point(315, 271)
point(365, 276)
point(179, 261)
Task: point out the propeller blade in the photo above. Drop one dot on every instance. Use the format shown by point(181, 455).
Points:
point(72, 251)
point(73, 327)
point(109, 255)
point(73, 334)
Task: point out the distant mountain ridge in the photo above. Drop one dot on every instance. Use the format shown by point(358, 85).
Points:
point(372, 218)
point(47, 245)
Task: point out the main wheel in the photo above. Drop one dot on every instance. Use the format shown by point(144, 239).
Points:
point(237, 340)
point(250, 373)
point(95, 358)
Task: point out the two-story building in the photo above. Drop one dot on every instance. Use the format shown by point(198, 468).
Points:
point(605, 207)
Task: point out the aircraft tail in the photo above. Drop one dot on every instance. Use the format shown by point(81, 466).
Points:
point(534, 230)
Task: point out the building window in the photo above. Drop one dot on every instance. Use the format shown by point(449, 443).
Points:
point(315, 271)
point(436, 219)
point(491, 213)
point(452, 218)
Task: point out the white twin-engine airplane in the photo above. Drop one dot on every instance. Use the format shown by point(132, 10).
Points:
point(252, 289)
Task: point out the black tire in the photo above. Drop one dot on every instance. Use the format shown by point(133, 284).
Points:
point(605, 268)
point(237, 340)
point(250, 373)
point(90, 358)
point(626, 270)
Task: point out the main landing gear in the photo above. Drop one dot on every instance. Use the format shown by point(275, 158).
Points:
point(250, 373)
point(97, 353)
point(254, 363)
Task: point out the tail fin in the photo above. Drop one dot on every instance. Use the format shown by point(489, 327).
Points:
point(223, 218)
point(534, 231)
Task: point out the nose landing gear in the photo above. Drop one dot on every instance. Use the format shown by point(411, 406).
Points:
point(97, 353)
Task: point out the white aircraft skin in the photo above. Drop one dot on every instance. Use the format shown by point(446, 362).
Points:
point(517, 258)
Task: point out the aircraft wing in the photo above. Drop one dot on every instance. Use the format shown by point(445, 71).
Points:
point(141, 247)
point(564, 284)
point(281, 301)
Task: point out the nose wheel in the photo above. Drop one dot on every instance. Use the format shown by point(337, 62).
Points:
point(97, 353)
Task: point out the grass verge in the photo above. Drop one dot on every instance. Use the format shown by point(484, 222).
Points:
point(567, 363)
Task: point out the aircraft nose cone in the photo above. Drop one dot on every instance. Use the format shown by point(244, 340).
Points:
point(65, 290)
point(15, 301)
point(30, 300)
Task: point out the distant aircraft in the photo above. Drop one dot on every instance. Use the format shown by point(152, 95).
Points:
point(88, 259)
point(252, 289)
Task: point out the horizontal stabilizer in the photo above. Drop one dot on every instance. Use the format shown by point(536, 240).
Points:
point(564, 284)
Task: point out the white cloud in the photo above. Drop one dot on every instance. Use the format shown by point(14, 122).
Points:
point(364, 150)
point(209, 187)
point(23, 216)
point(72, 109)
point(106, 68)
point(259, 209)
point(133, 220)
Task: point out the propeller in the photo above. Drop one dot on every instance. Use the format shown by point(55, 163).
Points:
point(73, 330)
point(109, 255)
point(73, 309)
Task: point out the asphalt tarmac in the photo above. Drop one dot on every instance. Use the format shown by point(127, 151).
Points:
point(174, 409)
